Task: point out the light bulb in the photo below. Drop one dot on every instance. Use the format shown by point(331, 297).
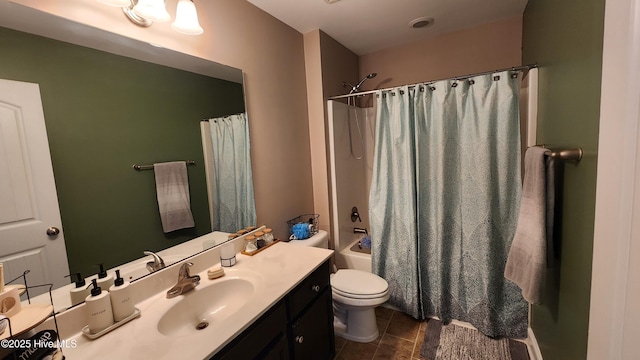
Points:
point(187, 19)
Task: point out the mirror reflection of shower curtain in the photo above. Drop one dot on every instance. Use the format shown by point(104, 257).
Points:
point(231, 186)
point(444, 201)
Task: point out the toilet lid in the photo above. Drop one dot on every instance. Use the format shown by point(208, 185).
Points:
point(357, 282)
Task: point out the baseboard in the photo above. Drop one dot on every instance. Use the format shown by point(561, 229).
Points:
point(389, 306)
point(532, 346)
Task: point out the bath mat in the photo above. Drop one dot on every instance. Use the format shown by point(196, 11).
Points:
point(452, 342)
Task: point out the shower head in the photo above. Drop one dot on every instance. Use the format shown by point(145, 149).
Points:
point(356, 88)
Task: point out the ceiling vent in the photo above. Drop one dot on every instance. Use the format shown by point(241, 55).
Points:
point(331, 1)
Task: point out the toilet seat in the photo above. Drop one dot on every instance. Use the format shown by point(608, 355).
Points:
point(356, 284)
point(359, 296)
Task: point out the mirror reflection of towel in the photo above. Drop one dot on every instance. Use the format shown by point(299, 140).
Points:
point(172, 188)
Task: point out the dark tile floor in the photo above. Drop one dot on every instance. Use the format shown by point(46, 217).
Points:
point(400, 339)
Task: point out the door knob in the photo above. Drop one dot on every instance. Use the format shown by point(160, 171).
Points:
point(53, 231)
point(299, 339)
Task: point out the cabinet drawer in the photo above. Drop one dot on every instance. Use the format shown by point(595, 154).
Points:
point(308, 290)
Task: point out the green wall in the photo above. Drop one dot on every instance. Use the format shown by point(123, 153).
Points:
point(103, 114)
point(565, 39)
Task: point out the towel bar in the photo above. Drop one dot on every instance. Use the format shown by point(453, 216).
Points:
point(149, 167)
point(564, 154)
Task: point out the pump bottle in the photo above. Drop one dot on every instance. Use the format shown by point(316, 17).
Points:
point(99, 309)
point(80, 292)
point(121, 301)
point(104, 280)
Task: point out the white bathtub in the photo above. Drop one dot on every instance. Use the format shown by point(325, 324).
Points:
point(347, 259)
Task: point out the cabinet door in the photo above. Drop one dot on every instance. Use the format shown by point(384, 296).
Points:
point(311, 335)
point(277, 351)
point(262, 340)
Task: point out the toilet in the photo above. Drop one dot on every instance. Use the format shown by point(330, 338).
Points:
point(355, 295)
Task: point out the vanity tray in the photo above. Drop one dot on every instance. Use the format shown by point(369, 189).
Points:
point(262, 248)
point(87, 333)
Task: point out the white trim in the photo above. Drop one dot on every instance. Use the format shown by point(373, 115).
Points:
point(610, 319)
point(532, 107)
point(332, 164)
point(532, 346)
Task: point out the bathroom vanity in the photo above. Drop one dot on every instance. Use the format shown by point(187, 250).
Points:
point(300, 326)
point(274, 305)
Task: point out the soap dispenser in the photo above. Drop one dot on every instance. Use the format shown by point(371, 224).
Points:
point(80, 292)
point(121, 302)
point(99, 309)
point(104, 280)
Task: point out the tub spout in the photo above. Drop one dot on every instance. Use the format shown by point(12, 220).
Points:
point(357, 230)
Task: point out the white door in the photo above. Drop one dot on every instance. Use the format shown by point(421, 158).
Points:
point(614, 318)
point(29, 213)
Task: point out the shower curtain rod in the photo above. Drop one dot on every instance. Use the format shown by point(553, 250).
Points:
point(516, 68)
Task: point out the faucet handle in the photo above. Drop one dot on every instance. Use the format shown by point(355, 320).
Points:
point(355, 216)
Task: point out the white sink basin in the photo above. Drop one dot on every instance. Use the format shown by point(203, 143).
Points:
point(206, 306)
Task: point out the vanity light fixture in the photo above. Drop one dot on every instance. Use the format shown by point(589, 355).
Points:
point(145, 12)
point(118, 3)
point(187, 18)
point(154, 10)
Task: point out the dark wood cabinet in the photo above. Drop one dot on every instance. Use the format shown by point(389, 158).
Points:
point(311, 335)
point(262, 340)
point(298, 327)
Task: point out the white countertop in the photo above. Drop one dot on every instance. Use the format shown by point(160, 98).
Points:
point(280, 267)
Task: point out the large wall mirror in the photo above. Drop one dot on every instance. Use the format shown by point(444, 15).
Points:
point(105, 112)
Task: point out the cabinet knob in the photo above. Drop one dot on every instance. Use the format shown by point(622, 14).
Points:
point(315, 288)
point(299, 339)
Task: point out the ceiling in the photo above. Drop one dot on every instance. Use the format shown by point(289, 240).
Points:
point(365, 26)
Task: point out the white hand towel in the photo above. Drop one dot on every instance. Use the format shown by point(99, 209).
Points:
point(172, 188)
point(527, 258)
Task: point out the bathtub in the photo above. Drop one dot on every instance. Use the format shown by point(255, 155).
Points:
point(349, 259)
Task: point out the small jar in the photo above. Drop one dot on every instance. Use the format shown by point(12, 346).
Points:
point(250, 228)
point(250, 244)
point(268, 236)
point(259, 239)
point(241, 232)
point(232, 236)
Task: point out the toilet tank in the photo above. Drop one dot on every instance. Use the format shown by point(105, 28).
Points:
point(320, 240)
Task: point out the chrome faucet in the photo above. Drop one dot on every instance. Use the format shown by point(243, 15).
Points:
point(156, 264)
point(357, 230)
point(186, 282)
